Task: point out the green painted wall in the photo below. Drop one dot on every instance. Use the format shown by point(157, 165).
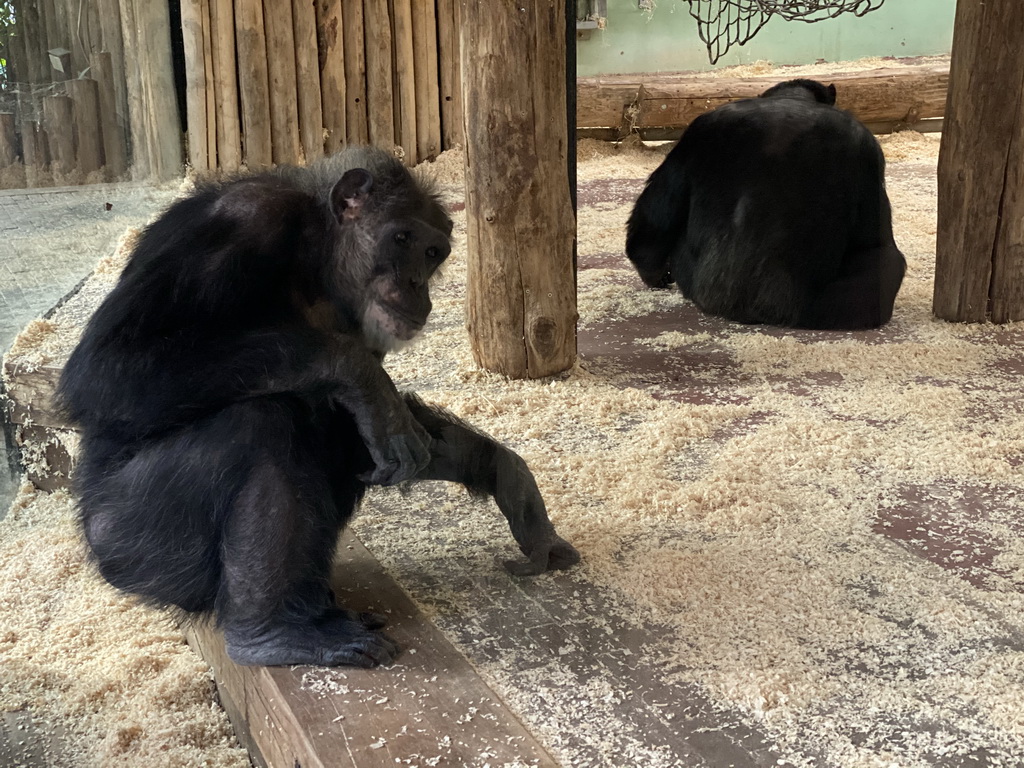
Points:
point(665, 39)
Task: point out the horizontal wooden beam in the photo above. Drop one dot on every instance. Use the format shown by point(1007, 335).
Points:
point(905, 94)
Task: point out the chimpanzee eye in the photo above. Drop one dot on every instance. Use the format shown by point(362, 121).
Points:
point(433, 254)
point(401, 237)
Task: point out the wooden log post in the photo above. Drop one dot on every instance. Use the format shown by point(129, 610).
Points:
point(225, 81)
point(115, 149)
point(153, 107)
point(109, 13)
point(307, 75)
point(195, 84)
point(428, 107)
point(34, 152)
point(211, 87)
point(8, 140)
point(85, 120)
point(253, 83)
point(979, 266)
point(379, 91)
point(521, 293)
point(405, 80)
point(57, 120)
point(356, 125)
point(284, 113)
point(450, 72)
point(330, 39)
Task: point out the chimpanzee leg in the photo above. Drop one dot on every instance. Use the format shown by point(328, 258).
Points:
point(463, 455)
point(863, 295)
point(275, 604)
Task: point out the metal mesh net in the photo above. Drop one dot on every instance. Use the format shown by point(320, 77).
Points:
point(722, 24)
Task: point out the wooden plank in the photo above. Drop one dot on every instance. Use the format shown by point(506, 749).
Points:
point(356, 120)
point(330, 37)
point(380, 108)
point(208, 75)
point(109, 12)
point(980, 240)
point(35, 152)
point(521, 290)
point(253, 83)
point(195, 84)
point(8, 140)
point(57, 119)
point(33, 27)
point(85, 117)
point(225, 80)
point(372, 718)
point(307, 75)
point(115, 149)
point(450, 73)
point(673, 100)
point(284, 115)
point(428, 107)
point(405, 80)
point(139, 138)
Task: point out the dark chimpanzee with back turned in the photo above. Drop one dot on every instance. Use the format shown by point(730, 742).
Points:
point(773, 210)
point(234, 407)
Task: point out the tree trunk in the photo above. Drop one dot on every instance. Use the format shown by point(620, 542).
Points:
point(521, 293)
point(979, 266)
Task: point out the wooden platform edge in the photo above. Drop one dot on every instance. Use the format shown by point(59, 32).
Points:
point(430, 708)
point(905, 94)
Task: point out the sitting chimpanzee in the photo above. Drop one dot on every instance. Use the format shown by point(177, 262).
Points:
point(773, 210)
point(233, 405)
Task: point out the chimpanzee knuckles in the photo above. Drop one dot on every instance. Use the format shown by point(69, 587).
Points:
point(555, 554)
point(402, 458)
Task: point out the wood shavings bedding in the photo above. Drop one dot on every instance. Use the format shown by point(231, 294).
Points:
point(753, 531)
point(114, 680)
point(746, 565)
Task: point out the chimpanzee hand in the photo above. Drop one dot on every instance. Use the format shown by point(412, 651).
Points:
point(552, 553)
point(398, 457)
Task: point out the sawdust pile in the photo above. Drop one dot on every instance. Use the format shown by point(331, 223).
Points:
point(107, 681)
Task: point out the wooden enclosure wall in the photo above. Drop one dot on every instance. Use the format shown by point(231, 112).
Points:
point(74, 107)
point(284, 81)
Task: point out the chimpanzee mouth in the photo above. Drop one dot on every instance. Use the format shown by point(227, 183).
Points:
point(392, 321)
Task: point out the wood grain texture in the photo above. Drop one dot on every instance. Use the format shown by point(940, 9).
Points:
point(405, 80)
point(450, 73)
point(284, 114)
point(428, 94)
point(115, 147)
point(330, 42)
point(307, 76)
point(521, 292)
point(225, 81)
point(253, 83)
point(57, 119)
point(195, 84)
point(356, 119)
point(409, 712)
point(379, 90)
point(664, 100)
point(979, 269)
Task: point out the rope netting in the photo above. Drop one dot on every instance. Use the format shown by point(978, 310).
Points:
point(722, 24)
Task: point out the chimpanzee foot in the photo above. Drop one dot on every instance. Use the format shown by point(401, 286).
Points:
point(555, 554)
point(342, 639)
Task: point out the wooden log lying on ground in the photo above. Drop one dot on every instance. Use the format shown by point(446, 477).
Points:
point(636, 102)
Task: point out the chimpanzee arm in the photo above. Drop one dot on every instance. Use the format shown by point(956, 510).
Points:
point(461, 454)
point(351, 376)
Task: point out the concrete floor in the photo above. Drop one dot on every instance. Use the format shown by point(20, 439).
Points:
point(49, 241)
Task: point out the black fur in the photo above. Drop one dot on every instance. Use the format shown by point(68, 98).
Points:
point(233, 405)
point(773, 210)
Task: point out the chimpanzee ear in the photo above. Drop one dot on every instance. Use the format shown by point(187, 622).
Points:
point(832, 94)
point(350, 194)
